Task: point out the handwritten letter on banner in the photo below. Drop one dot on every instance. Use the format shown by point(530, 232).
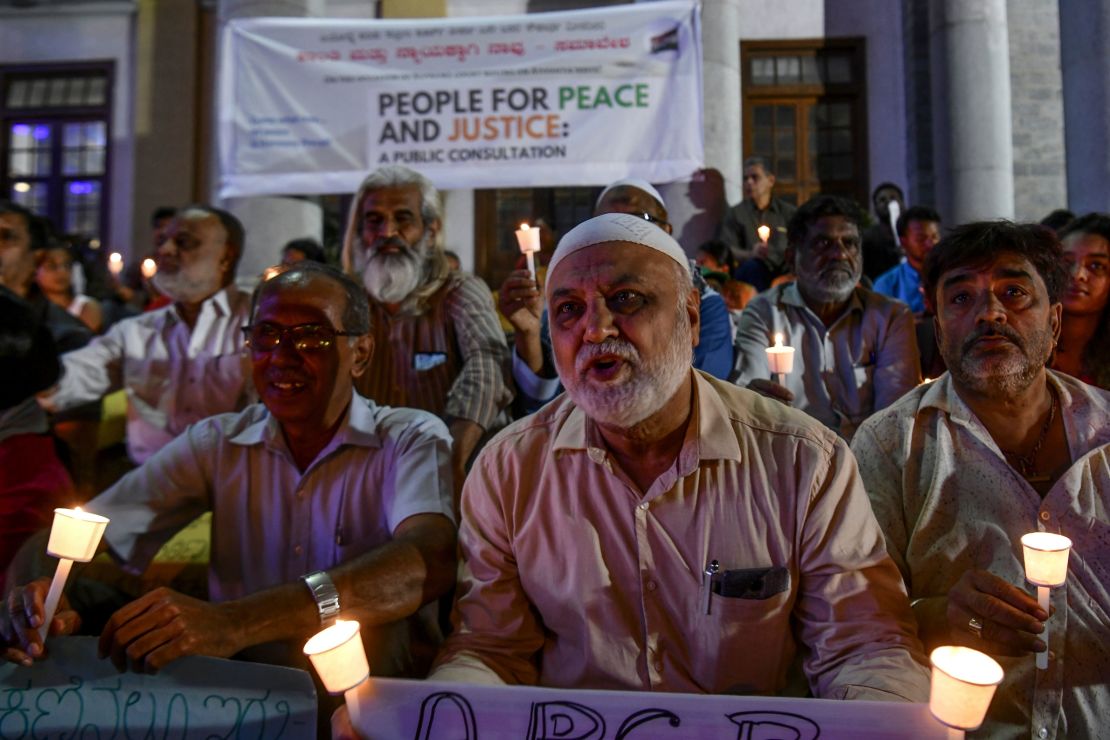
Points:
point(311, 105)
point(73, 694)
point(393, 709)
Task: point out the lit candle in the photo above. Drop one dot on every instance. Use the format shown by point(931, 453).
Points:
point(1046, 566)
point(529, 241)
point(115, 263)
point(764, 232)
point(962, 686)
point(895, 211)
point(149, 268)
point(780, 359)
point(339, 658)
point(74, 535)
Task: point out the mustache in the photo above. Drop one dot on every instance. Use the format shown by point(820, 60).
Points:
point(394, 242)
point(610, 347)
point(993, 329)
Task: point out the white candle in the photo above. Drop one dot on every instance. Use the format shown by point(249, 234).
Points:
point(528, 239)
point(895, 211)
point(780, 359)
point(115, 263)
point(339, 658)
point(962, 686)
point(1046, 566)
point(74, 535)
point(149, 268)
point(764, 232)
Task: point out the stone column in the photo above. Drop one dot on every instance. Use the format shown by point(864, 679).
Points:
point(1085, 62)
point(973, 139)
point(697, 206)
point(270, 221)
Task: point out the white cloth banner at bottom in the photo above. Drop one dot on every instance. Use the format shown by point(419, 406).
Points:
point(74, 694)
point(421, 710)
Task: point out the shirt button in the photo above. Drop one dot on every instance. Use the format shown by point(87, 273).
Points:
point(1045, 516)
point(645, 506)
point(297, 549)
point(659, 667)
point(652, 585)
point(1042, 732)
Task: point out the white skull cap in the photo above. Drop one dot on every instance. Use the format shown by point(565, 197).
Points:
point(617, 227)
point(633, 182)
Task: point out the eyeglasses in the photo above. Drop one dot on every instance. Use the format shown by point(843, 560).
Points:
point(266, 337)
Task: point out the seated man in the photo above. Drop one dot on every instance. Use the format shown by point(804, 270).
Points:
point(855, 351)
point(689, 521)
point(522, 305)
point(182, 362)
point(315, 483)
point(959, 469)
point(918, 232)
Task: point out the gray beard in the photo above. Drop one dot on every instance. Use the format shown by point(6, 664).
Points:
point(182, 287)
point(391, 278)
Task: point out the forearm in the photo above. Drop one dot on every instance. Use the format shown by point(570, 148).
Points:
point(932, 621)
point(465, 435)
point(528, 348)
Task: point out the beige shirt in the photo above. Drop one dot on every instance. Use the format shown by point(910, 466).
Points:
point(948, 501)
point(571, 578)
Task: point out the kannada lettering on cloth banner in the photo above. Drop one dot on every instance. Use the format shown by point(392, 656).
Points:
point(310, 105)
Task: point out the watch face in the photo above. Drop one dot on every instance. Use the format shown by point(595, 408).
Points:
point(324, 594)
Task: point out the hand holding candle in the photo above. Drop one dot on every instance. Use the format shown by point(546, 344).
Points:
point(764, 233)
point(528, 239)
point(780, 358)
point(1046, 566)
point(74, 535)
point(339, 658)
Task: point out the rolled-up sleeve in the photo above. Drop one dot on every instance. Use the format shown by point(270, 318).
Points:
point(90, 372)
point(481, 390)
point(852, 610)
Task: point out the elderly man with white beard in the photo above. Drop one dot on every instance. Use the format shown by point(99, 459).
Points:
point(181, 363)
point(654, 523)
point(855, 350)
point(438, 342)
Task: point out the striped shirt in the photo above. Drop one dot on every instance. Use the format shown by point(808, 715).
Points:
point(450, 360)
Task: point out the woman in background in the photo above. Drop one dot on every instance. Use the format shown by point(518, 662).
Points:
point(1084, 346)
point(54, 277)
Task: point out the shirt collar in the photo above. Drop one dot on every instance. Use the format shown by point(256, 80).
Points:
point(941, 395)
point(220, 302)
point(791, 296)
point(359, 428)
point(715, 438)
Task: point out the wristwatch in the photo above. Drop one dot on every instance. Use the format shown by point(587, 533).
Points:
point(324, 594)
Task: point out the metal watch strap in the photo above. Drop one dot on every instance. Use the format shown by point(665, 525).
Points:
point(324, 594)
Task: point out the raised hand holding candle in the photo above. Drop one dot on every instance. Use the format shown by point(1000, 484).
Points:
point(962, 686)
point(780, 358)
point(149, 268)
point(115, 263)
point(529, 241)
point(74, 535)
point(339, 658)
point(1046, 566)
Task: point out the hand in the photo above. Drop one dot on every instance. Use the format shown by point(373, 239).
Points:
point(520, 302)
point(771, 389)
point(20, 621)
point(341, 727)
point(1011, 618)
point(164, 625)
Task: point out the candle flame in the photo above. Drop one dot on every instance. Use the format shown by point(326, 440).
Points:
point(524, 227)
point(149, 268)
point(764, 232)
point(115, 258)
point(778, 339)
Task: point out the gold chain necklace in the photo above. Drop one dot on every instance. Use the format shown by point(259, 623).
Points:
point(1027, 464)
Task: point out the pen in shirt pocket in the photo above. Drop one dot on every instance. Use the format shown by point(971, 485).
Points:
point(712, 568)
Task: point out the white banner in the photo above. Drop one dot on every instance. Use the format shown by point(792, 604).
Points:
point(424, 710)
point(311, 105)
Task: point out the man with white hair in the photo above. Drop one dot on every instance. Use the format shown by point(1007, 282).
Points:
point(688, 521)
point(439, 343)
point(183, 362)
point(855, 350)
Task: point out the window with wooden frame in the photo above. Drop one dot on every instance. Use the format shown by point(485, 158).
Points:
point(56, 141)
point(805, 111)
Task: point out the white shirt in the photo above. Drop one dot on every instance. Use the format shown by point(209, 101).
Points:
point(173, 376)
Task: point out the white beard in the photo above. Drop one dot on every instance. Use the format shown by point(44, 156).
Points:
point(189, 284)
point(391, 278)
point(648, 389)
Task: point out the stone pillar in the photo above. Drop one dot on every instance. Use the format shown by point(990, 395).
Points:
point(1085, 62)
point(697, 206)
point(269, 221)
point(973, 144)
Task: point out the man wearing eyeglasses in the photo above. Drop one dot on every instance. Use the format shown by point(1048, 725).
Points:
point(323, 503)
point(181, 363)
point(521, 303)
point(855, 351)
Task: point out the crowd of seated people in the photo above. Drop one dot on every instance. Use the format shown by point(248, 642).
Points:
point(370, 441)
